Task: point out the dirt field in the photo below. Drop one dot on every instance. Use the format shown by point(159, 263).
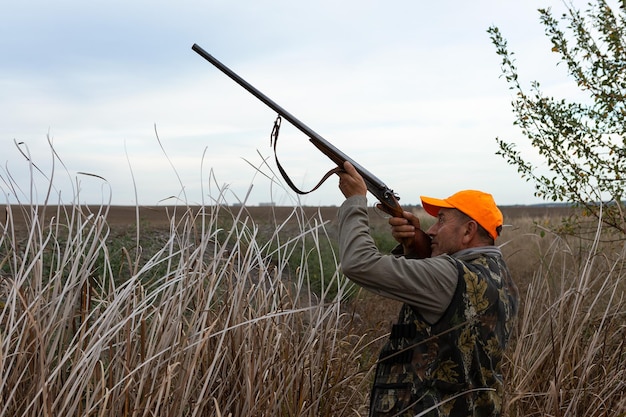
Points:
point(159, 216)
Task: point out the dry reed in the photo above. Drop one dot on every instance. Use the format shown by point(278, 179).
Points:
point(569, 357)
point(219, 330)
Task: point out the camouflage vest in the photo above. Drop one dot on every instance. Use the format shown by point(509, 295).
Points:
point(451, 367)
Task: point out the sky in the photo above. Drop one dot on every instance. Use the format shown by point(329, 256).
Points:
point(111, 105)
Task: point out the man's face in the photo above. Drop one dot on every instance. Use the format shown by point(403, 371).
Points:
point(448, 232)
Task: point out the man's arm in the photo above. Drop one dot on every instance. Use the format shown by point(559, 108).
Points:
point(406, 230)
point(428, 284)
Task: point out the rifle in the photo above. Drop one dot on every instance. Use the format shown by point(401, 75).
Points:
point(386, 196)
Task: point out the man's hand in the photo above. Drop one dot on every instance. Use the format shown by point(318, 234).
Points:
point(350, 181)
point(403, 228)
point(406, 230)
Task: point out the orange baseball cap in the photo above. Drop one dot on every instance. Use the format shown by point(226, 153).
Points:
point(478, 205)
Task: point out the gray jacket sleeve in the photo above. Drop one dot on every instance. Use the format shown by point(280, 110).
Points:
point(427, 284)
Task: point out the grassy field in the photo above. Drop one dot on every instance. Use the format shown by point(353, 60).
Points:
point(241, 311)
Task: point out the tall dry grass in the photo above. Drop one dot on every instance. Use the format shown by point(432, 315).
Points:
point(210, 325)
point(569, 356)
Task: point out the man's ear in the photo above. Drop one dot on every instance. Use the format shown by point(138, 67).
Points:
point(470, 231)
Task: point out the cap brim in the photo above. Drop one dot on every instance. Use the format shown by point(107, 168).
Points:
point(432, 205)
